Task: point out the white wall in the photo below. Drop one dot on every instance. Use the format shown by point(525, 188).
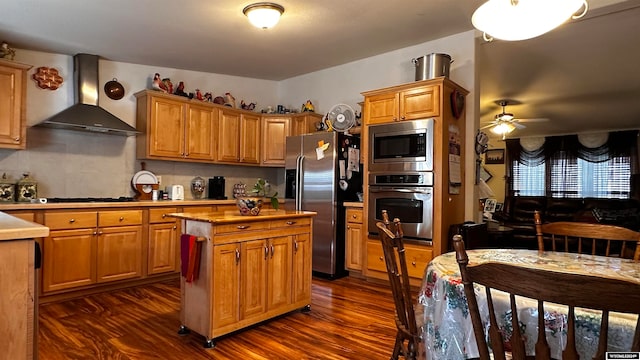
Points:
point(76, 164)
point(344, 83)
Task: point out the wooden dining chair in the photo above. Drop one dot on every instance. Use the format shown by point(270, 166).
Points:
point(594, 239)
point(408, 338)
point(584, 291)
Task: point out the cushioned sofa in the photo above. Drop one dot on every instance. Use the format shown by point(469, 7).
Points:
point(518, 212)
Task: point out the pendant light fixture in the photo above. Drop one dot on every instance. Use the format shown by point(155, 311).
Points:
point(514, 20)
point(263, 15)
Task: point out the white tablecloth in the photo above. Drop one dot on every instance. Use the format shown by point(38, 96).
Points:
point(448, 332)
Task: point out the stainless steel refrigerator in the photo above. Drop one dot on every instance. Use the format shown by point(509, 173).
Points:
point(322, 171)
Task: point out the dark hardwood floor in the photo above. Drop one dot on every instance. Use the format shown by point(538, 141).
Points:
point(349, 319)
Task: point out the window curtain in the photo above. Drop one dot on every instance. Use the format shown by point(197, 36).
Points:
point(560, 155)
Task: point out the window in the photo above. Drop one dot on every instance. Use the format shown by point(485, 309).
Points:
point(573, 178)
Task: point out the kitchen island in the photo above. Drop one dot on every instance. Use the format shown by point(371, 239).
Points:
point(251, 269)
point(18, 297)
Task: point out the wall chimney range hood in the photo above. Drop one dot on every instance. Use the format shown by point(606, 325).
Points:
point(85, 114)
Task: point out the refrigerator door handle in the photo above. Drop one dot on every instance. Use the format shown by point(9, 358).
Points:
point(299, 177)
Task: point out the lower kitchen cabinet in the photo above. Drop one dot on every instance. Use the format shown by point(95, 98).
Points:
point(417, 256)
point(354, 240)
point(162, 251)
point(89, 247)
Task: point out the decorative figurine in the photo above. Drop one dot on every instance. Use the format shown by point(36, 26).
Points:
point(308, 107)
point(229, 100)
point(180, 90)
point(208, 97)
point(6, 51)
point(158, 84)
point(245, 106)
point(218, 100)
point(199, 95)
point(168, 85)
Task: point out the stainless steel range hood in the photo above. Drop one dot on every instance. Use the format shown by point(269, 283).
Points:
point(86, 115)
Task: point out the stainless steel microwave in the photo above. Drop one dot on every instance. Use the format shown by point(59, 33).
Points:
point(401, 146)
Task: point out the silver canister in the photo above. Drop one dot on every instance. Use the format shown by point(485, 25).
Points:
point(432, 66)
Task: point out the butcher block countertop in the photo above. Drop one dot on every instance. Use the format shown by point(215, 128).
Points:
point(231, 217)
point(12, 228)
point(125, 204)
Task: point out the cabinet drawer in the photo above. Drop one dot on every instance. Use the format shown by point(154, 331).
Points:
point(417, 258)
point(290, 222)
point(241, 227)
point(70, 220)
point(158, 215)
point(119, 218)
point(198, 209)
point(354, 215)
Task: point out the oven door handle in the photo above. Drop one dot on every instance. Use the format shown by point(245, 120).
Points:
point(400, 191)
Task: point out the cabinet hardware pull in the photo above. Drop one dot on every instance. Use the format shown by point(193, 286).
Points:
point(348, 227)
point(95, 233)
point(354, 216)
point(295, 245)
point(402, 118)
point(243, 227)
point(413, 263)
point(271, 251)
point(237, 256)
point(121, 218)
point(380, 258)
point(164, 216)
point(99, 232)
point(71, 221)
point(16, 139)
point(175, 227)
point(291, 222)
point(266, 252)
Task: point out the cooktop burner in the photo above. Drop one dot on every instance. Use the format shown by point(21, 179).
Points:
point(89, 199)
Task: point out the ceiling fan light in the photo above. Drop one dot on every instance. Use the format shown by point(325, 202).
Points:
point(514, 20)
point(263, 15)
point(505, 116)
point(503, 128)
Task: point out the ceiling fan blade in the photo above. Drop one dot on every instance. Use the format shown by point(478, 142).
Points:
point(518, 126)
point(487, 126)
point(531, 120)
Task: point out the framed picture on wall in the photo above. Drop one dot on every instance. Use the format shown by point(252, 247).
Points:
point(485, 175)
point(490, 205)
point(494, 156)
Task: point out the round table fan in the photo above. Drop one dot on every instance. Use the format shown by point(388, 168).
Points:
point(342, 117)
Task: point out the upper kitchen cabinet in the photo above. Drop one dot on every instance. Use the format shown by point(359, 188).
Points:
point(173, 129)
point(275, 130)
point(13, 94)
point(239, 137)
point(304, 123)
point(402, 103)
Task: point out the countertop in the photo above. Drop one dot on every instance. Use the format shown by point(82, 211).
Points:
point(128, 204)
point(230, 217)
point(355, 204)
point(12, 228)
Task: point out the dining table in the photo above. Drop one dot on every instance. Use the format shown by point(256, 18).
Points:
point(447, 331)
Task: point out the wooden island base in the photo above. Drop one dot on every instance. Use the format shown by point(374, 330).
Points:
point(252, 268)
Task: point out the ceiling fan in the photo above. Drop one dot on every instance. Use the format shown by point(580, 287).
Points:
point(505, 122)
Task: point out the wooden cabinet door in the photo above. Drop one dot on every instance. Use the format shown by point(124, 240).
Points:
point(382, 108)
point(226, 285)
point(162, 249)
point(279, 270)
point(420, 103)
point(13, 104)
point(253, 281)
point(201, 132)
point(166, 128)
point(304, 123)
point(353, 257)
point(119, 253)
point(68, 259)
point(250, 139)
point(229, 136)
point(302, 268)
point(274, 135)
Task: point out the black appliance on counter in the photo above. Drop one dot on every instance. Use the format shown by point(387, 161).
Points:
point(216, 188)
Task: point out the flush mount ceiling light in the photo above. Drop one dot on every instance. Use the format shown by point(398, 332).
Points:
point(263, 15)
point(514, 20)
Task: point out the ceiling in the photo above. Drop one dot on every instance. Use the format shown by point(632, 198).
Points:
point(582, 76)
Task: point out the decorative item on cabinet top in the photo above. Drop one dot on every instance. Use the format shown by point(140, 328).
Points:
point(6, 51)
point(26, 189)
point(7, 189)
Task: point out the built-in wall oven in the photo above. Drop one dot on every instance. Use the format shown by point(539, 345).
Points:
point(407, 196)
point(401, 146)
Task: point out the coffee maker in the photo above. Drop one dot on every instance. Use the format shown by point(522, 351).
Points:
point(216, 188)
